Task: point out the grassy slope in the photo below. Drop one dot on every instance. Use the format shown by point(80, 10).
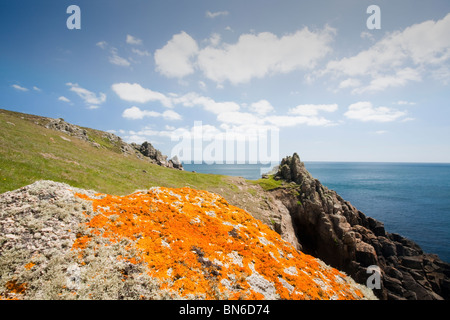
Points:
point(30, 152)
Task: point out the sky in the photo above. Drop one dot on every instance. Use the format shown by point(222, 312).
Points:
point(248, 80)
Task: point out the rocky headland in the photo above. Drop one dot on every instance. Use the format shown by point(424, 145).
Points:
point(332, 229)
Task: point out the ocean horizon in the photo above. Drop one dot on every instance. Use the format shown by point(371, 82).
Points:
point(411, 199)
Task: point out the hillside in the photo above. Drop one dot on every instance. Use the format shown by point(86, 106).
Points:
point(30, 152)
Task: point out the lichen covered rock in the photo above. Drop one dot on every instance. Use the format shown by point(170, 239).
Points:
point(59, 242)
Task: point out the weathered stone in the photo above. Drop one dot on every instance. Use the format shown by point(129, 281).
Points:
point(365, 254)
point(413, 262)
point(394, 285)
point(332, 229)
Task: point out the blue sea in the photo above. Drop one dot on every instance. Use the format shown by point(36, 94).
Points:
point(411, 199)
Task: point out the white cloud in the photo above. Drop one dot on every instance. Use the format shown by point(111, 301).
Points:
point(64, 99)
point(171, 115)
point(366, 35)
point(312, 109)
point(135, 138)
point(403, 103)
point(17, 87)
point(365, 111)
point(142, 53)
point(132, 40)
point(399, 79)
point(252, 56)
point(114, 58)
point(349, 83)
point(102, 44)
point(36, 89)
point(134, 113)
point(213, 15)
point(193, 99)
point(118, 60)
point(291, 121)
point(398, 58)
point(202, 85)
point(174, 59)
point(261, 107)
point(136, 93)
point(238, 118)
point(90, 98)
point(257, 55)
point(214, 40)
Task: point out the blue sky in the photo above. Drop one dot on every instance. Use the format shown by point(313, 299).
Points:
point(312, 71)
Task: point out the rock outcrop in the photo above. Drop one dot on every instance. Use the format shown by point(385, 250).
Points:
point(59, 242)
point(330, 228)
point(148, 151)
point(144, 151)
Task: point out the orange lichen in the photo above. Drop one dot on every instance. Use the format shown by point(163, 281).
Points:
point(195, 243)
point(15, 288)
point(29, 265)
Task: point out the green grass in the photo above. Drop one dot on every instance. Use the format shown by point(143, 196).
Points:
point(269, 183)
point(30, 152)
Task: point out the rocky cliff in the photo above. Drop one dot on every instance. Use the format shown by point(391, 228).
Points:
point(330, 228)
point(59, 242)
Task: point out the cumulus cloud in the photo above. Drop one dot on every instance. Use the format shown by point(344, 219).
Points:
point(134, 92)
point(89, 97)
point(349, 83)
point(135, 113)
point(258, 55)
point(365, 111)
point(132, 40)
point(261, 107)
point(398, 58)
point(193, 99)
point(174, 59)
point(312, 109)
point(252, 56)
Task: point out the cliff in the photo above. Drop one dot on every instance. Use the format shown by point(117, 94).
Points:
point(60, 242)
point(333, 230)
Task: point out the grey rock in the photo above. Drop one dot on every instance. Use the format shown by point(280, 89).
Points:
point(333, 230)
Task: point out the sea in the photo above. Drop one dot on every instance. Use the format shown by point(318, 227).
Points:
point(411, 199)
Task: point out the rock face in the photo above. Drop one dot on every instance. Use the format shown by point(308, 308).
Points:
point(145, 151)
point(148, 151)
point(59, 242)
point(331, 229)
